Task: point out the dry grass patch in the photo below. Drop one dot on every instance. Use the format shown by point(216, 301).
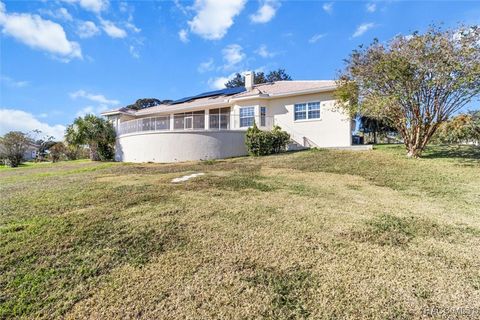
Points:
point(306, 235)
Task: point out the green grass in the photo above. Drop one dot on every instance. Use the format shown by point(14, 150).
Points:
point(314, 234)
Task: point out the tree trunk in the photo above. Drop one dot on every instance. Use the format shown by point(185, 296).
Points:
point(94, 156)
point(413, 152)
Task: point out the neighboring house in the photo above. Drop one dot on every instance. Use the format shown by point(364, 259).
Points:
point(212, 125)
point(30, 154)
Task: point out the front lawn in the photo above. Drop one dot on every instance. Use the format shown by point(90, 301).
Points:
point(313, 234)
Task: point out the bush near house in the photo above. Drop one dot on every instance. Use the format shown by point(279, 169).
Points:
point(260, 143)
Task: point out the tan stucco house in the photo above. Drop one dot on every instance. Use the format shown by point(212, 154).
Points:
point(212, 125)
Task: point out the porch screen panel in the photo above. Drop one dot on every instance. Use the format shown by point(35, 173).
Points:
point(147, 124)
point(214, 118)
point(199, 119)
point(224, 118)
point(162, 123)
point(179, 121)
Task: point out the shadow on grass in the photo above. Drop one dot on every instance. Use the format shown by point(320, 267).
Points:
point(467, 155)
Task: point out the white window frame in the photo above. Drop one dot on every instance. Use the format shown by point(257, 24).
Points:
point(240, 116)
point(307, 118)
point(263, 116)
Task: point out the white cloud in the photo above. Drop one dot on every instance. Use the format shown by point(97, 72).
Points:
point(214, 17)
point(266, 12)
point(18, 120)
point(361, 29)
point(12, 82)
point(38, 33)
point(371, 7)
point(316, 37)
point(95, 6)
point(328, 7)
point(206, 66)
point(91, 110)
point(112, 30)
point(134, 52)
point(232, 55)
point(87, 29)
point(132, 27)
point(183, 35)
point(264, 52)
point(93, 97)
point(60, 13)
point(218, 83)
point(123, 6)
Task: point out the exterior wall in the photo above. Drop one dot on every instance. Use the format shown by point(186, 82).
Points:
point(333, 129)
point(180, 146)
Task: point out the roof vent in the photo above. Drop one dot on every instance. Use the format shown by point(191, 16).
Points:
point(249, 80)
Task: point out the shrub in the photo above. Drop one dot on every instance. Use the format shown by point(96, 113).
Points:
point(57, 151)
point(260, 143)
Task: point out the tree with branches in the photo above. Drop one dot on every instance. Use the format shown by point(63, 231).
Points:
point(415, 82)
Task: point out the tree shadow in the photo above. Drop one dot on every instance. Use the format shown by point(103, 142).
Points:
point(465, 154)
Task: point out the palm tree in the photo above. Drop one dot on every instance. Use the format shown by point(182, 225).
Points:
point(95, 132)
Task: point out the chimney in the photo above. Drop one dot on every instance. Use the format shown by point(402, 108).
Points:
point(249, 79)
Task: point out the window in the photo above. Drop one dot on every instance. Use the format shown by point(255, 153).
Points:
point(300, 111)
point(247, 116)
point(189, 120)
point(304, 111)
point(263, 115)
point(219, 118)
point(314, 110)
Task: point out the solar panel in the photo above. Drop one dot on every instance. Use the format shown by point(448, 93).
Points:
point(221, 92)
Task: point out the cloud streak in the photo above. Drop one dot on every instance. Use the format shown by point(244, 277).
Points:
point(361, 29)
point(100, 98)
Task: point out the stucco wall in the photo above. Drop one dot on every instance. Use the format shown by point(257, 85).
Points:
point(333, 129)
point(180, 146)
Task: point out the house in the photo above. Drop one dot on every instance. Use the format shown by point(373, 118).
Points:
point(30, 153)
point(212, 125)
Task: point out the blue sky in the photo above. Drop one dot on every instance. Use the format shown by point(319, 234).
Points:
point(64, 58)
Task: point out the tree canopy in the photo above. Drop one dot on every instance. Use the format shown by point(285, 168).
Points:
point(415, 82)
point(147, 103)
point(276, 75)
point(95, 132)
point(13, 146)
point(463, 128)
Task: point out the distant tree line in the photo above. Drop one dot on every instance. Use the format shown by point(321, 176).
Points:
point(259, 77)
point(147, 103)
